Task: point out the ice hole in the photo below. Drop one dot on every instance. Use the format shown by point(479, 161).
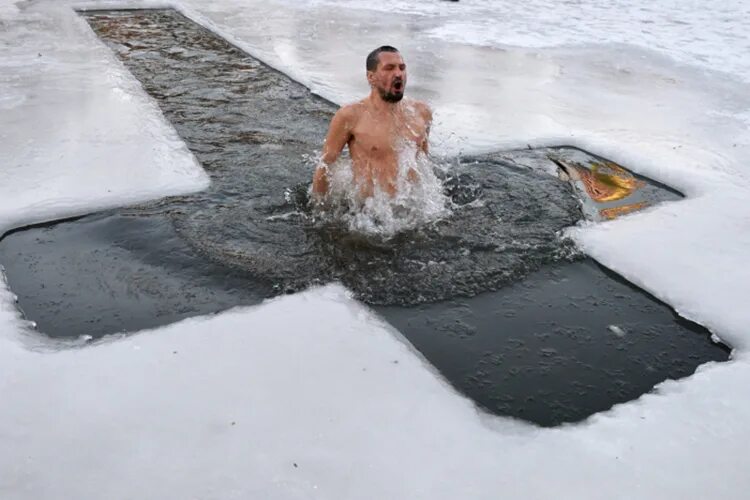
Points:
point(511, 314)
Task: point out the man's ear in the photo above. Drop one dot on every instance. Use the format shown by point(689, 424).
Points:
point(370, 76)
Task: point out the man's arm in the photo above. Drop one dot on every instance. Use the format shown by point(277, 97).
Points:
point(426, 113)
point(339, 133)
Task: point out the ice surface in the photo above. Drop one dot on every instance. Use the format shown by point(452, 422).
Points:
point(711, 35)
point(77, 131)
point(166, 414)
point(310, 379)
point(274, 402)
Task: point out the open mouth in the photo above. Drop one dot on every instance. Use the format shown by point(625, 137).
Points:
point(398, 86)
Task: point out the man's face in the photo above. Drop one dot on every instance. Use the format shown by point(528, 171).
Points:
point(389, 78)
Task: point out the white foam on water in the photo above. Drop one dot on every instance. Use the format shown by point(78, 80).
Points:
point(300, 397)
point(418, 198)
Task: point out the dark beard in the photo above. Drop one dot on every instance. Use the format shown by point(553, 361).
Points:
point(390, 97)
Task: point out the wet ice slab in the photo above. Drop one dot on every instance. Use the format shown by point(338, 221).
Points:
point(605, 189)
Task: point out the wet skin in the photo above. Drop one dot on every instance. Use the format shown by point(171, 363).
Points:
point(376, 130)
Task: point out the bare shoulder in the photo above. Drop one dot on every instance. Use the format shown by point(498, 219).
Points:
point(424, 110)
point(350, 113)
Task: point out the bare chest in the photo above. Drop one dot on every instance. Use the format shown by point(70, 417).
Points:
point(383, 136)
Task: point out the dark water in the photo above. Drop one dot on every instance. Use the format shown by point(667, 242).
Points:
point(565, 342)
point(502, 306)
point(115, 272)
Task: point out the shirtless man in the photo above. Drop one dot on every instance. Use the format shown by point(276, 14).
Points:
point(376, 129)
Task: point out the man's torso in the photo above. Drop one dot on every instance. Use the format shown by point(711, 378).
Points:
point(377, 140)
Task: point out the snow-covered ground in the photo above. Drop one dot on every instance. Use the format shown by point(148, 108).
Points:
point(78, 134)
point(312, 396)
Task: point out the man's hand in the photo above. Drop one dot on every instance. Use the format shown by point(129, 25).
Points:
point(412, 175)
point(320, 181)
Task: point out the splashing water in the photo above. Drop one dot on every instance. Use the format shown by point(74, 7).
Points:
point(416, 202)
point(472, 226)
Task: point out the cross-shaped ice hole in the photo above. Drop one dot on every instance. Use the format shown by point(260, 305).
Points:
point(509, 317)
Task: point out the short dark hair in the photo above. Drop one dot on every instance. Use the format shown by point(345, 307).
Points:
point(373, 58)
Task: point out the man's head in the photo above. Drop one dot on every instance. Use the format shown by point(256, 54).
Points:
point(386, 73)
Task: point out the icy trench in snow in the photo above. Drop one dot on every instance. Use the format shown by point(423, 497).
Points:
point(566, 341)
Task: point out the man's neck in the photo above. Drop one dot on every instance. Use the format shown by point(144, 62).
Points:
point(381, 106)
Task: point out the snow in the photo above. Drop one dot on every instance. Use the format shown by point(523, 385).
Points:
point(310, 379)
point(71, 112)
point(224, 407)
